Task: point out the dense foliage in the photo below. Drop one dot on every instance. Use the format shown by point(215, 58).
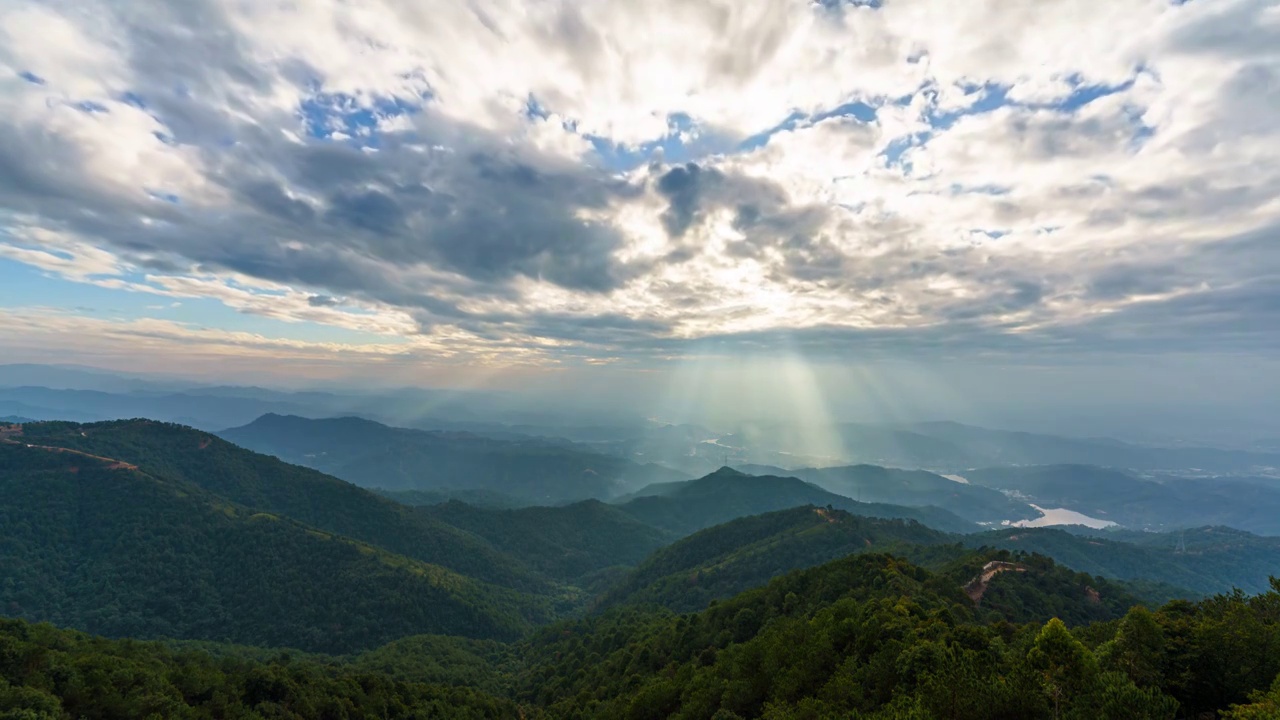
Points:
point(119, 552)
point(870, 636)
point(867, 636)
point(51, 674)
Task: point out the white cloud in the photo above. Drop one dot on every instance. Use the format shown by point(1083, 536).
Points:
point(469, 224)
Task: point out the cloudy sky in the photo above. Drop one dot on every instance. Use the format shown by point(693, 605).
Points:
point(502, 187)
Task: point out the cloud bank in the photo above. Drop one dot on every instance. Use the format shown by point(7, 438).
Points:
point(542, 181)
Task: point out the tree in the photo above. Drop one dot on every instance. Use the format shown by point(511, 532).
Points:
point(1137, 649)
point(1067, 669)
point(1120, 699)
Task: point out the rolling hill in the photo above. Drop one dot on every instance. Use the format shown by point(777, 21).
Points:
point(566, 542)
point(726, 494)
point(371, 454)
point(741, 554)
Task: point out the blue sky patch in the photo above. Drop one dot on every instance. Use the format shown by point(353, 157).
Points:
point(90, 107)
point(164, 197)
point(325, 114)
point(131, 98)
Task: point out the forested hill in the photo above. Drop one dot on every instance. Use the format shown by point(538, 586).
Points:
point(98, 544)
point(726, 494)
point(727, 559)
point(566, 542)
point(267, 484)
point(724, 560)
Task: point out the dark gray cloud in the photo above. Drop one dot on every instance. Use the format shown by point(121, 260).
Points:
point(761, 210)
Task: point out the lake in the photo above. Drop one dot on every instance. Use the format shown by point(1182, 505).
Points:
point(1063, 516)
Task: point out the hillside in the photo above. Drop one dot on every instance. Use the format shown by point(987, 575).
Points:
point(913, 488)
point(564, 542)
point(269, 485)
point(726, 494)
point(371, 454)
point(727, 559)
point(97, 544)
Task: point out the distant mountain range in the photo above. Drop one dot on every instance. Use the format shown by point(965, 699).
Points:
point(88, 395)
point(1004, 495)
point(872, 483)
point(1204, 561)
point(371, 454)
point(954, 447)
point(686, 507)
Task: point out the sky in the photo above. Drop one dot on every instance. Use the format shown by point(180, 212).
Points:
point(1077, 203)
